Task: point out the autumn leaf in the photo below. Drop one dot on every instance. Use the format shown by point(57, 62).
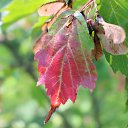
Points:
point(64, 62)
point(97, 52)
point(115, 49)
point(50, 8)
point(113, 32)
point(111, 36)
point(49, 23)
point(113, 39)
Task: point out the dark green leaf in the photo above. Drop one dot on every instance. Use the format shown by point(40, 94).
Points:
point(117, 63)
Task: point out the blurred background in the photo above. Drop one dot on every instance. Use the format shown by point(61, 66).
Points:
point(23, 105)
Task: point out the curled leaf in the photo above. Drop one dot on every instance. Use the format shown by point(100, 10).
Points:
point(97, 51)
point(111, 36)
point(115, 49)
point(49, 23)
point(113, 33)
point(50, 8)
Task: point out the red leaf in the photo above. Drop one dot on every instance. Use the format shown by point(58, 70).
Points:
point(67, 65)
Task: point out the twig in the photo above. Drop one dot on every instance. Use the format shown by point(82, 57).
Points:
point(85, 5)
point(95, 4)
point(20, 61)
point(96, 110)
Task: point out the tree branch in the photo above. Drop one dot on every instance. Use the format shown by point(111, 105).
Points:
point(85, 5)
point(96, 110)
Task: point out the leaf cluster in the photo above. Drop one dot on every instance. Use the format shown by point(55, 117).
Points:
point(64, 50)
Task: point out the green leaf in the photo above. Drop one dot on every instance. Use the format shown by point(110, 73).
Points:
point(19, 9)
point(78, 3)
point(117, 63)
point(83, 32)
point(56, 25)
point(116, 13)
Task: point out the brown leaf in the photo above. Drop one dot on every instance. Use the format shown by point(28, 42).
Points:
point(97, 51)
point(115, 49)
point(46, 26)
point(113, 33)
point(50, 8)
point(50, 22)
point(112, 36)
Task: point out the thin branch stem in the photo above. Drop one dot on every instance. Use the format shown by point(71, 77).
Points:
point(20, 61)
point(95, 4)
point(85, 5)
point(96, 110)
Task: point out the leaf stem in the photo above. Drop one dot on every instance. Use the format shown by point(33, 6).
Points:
point(53, 108)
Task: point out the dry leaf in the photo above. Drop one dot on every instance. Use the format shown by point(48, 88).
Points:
point(112, 37)
point(97, 51)
point(50, 22)
point(50, 8)
point(113, 33)
point(109, 46)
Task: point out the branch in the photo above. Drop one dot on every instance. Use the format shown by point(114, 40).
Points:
point(95, 4)
point(85, 5)
point(20, 60)
point(96, 110)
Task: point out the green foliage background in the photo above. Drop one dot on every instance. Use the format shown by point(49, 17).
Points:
point(23, 105)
